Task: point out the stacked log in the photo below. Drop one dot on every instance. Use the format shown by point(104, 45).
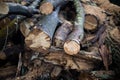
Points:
point(53, 40)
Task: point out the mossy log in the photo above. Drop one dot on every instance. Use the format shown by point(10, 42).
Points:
point(72, 44)
point(40, 38)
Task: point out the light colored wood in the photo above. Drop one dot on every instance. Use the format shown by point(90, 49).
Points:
point(71, 47)
point(38, 41)
point(46, 8)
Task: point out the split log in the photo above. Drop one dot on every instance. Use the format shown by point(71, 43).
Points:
point(40, 37)
point(62, 33)
point(94, 17)
point(47, 6)
point(72, 44)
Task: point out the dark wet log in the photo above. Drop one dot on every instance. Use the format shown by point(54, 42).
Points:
point(47, 6)
point(72, 44)
point(40, 37)
point(62, 32)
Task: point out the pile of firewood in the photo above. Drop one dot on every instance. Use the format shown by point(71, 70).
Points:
point(61, 35)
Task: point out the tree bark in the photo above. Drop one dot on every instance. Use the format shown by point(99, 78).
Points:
point(72, 44)
point(40, 38)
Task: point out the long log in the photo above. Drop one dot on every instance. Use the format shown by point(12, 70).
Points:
point(47, 6)
point(72, 44)
point(40, 37)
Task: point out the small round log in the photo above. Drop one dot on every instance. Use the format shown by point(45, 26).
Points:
point(71, 47)
point(91, 22)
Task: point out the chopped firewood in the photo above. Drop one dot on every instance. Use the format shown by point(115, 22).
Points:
point(98, 15)
point(47, 6)
point(91, 22)
point(78, 62)
point(40, 38)
point(62, 32)
point(72, 44)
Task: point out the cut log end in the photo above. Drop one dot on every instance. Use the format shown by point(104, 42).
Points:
point(38, 41)
point(46, 8)
point(91, 22)
point(71, 47)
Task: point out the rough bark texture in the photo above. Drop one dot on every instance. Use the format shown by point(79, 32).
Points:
point(72, 45)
